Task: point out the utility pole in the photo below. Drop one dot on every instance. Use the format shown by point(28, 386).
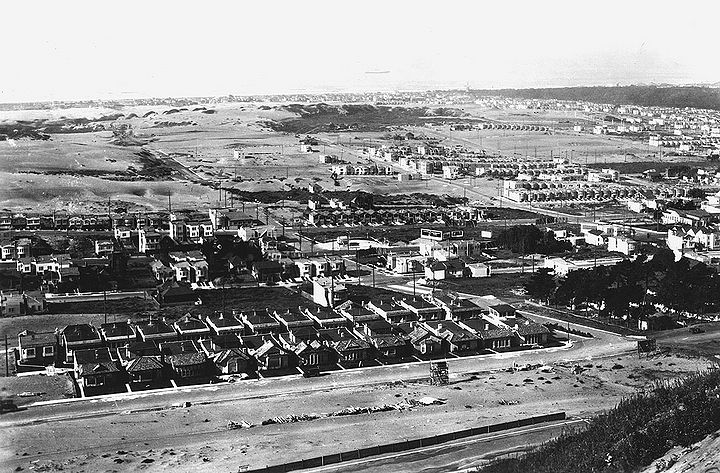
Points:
point(7, 359)
point(413, 275)
point(105, 302)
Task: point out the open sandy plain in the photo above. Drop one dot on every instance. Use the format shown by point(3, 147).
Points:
point(80, 171)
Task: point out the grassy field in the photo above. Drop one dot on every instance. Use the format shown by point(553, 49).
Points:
point(505, 286)
point(705, 343)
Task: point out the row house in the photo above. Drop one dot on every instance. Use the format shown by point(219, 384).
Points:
point(352, 351)
point(103, 247)
point(186, 360)
point(230, 219)
point(37, 349)
point(191, 328)
point(493, 336)
point(448, 269)
point(148, 239)
point(195, 231)
point(189, 266)
point(457, 338)
point(118, 334)
point(96, 371)
point(142, 361)
point(682, 238)
point(320, 267)
point(228, 355)
point(694, 218)
point(79, 337)
point(260, 322)
point(421, 309)
point(455, 307)
point(356, 313)
point(12, 250)
point(391, 310)
point(222, 324)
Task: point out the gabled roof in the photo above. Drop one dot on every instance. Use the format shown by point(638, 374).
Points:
point(221, 358)
point(420, 334)
point(186, 359)
point(118, 329)
point(259, 317)
point(267, 266)
point(155, 327)
point(80, 332)
point(388, 340)
point(220, 343)
point(178, 347)
point(451, 331)
point(268, 348)
point(495, 333)
point(89, 369)
point(143, 363)
point(92, 355)
point(350, 344)
point(532, 328)
point(224, 321)
point(29, 338)
point(191, 324)
point(309, 347)
point(503, 308)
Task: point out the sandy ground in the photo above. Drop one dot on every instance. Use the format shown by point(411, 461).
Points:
point(701, 456)
point(272, 161)
point(196, 438)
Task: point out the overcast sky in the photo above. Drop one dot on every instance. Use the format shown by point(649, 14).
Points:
point(87, 50)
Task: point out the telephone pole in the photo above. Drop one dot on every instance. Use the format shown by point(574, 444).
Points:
point(7, 359)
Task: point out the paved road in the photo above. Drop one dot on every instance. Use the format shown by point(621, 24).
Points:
point(458, 455)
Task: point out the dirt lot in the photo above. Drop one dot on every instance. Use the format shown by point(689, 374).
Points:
point(196, 438)
point(704, 343)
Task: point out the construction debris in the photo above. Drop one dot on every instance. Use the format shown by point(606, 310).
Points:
point(238, 425)
point(348, 411)
point(504, 402)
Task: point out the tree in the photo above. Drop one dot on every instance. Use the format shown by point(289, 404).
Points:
point(696, 193)
point(541, 285)
point(81, 247)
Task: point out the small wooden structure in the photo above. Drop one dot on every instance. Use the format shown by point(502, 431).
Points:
point(439, 373)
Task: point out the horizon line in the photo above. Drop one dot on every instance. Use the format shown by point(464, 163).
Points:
point(710, 85)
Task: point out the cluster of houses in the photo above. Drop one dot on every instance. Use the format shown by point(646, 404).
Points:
point(193, 349)
point(327, 213)
point(521, 191)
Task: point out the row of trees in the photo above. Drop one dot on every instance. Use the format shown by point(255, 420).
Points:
point(629, 287)
point(527, 239)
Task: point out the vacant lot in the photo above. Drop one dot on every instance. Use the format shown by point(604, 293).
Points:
point(705, 343)
point(196, 438)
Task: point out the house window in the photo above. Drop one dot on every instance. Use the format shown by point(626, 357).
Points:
point(274, 362)
point(29, 353)
point(48, 351)
point(95, 381)
point(142, 377)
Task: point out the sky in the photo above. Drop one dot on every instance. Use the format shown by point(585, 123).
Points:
point(100, 50)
